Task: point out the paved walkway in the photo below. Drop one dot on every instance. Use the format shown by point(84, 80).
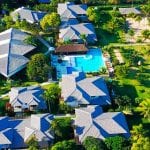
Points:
point(3, 95)
point(128, 44)
point(119, 56)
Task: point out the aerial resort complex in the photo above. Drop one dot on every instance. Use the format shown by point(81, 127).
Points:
point(75, 75)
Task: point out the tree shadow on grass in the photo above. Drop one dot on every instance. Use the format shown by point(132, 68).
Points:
point(137, 119)
point(125, 89)
point(104, 37)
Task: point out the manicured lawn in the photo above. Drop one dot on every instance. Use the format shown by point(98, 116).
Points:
point(4, 89)
point(137, 82)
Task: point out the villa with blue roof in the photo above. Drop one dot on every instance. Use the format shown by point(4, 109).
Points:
point(72, 26)
point(74, 32)
point(15, 133)
point(30, 16)
point(92, 121)
point(71, 11)
point(27, 98)
point(78, 90)
point(12, 51)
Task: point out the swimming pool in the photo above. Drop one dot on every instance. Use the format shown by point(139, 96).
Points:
point(92, 61)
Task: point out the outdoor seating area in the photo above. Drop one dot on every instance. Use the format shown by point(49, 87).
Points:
point(108, 62)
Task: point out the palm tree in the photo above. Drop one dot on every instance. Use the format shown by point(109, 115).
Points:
point(131, 33)
point(84, 38)
point(32, 143)
point(51, 95)
point(137, 132)
point(139, 138)
point(138, 19)
point(146, 34)
point(144, 108)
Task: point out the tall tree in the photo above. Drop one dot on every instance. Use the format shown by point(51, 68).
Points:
point(144, 108)
point(146, 34)
point(84, 38)
point(62, 128)
point(116, 143)
point(50, 21)
point(65, 145)
point(32, 143)
point(139, 139)
point(38, 68)
point(138, 18)
point(51, 95)
point(93, 15)
point(91, 143)
point(124, 102)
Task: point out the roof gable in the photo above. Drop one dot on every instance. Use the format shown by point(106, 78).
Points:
point(85, 90)
point(12, 49)
point(70, 10)
point(27, 14)
point(98, 126)
point(28, 96)
point(18, 131)
point(73, 32)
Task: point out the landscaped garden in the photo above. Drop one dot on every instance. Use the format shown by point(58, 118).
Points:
point(129, 88)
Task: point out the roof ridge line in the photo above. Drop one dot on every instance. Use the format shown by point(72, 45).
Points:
point(8, 59)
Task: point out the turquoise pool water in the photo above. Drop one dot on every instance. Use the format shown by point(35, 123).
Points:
point(91, 62)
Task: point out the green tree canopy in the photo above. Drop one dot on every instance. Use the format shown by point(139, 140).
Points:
point(124, 102)
point(146, 34)
point(93, 15)
point(51, 95)
point(144, 108)
point(7, 21)
point(65, 145)
point(50, 21)
point(37, 68)
point(91, 143)
point(116, 143)
point(31, 40)
point(62, 128)
point(139, 138)
point(32, 143)
point(113, 1)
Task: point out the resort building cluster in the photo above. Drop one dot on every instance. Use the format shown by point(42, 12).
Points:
point(88, 95)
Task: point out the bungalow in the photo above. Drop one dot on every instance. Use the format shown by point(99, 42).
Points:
point(74, 32)
point(12, 51)
point(69, 10)
point(127, 11)
point(79, 90)
point(30, 16)
point(98, 124)
point(15, 133)
point(30, 98)
point(71, 49)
